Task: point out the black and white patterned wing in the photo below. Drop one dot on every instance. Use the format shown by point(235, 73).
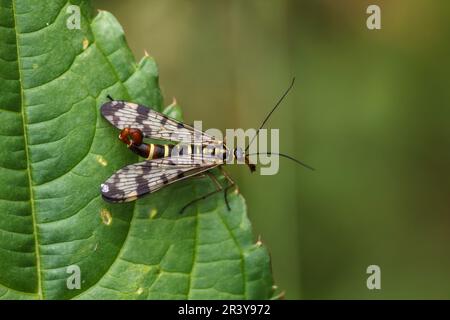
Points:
point(137, 180)
point(153, 124)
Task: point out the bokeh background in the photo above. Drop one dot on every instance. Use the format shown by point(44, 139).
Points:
point(370, 110)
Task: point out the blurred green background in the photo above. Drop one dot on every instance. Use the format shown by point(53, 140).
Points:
point(370, 110)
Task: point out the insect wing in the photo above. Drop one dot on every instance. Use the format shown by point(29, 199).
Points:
point(136, 180)
point(153, 124)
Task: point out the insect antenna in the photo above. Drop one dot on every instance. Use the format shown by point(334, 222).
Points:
point(270, 113)
point(285, 156)
point(264, 122)
point(109, 97)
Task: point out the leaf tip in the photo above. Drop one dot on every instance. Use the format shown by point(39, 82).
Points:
point(259, 242)
point(279, 296)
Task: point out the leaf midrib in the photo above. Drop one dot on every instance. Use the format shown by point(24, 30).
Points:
point(30, 181)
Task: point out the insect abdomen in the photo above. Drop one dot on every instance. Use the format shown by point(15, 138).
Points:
point(157, 151)
point(152, 150)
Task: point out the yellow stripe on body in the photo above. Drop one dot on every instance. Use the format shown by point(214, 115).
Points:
point(152, 150)
point(166, 151)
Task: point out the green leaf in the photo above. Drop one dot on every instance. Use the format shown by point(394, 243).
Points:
point(174, 111)
point(56, 150)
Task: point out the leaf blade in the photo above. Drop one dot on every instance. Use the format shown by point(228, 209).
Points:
point(57, 150)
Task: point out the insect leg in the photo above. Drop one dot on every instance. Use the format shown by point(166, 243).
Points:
point(214, 179)
point(218, 189)
point(231, 184)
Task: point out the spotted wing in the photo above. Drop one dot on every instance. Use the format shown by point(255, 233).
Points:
point(153, 124)
point(137, 180)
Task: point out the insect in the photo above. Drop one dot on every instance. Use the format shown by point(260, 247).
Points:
point(189, 153)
